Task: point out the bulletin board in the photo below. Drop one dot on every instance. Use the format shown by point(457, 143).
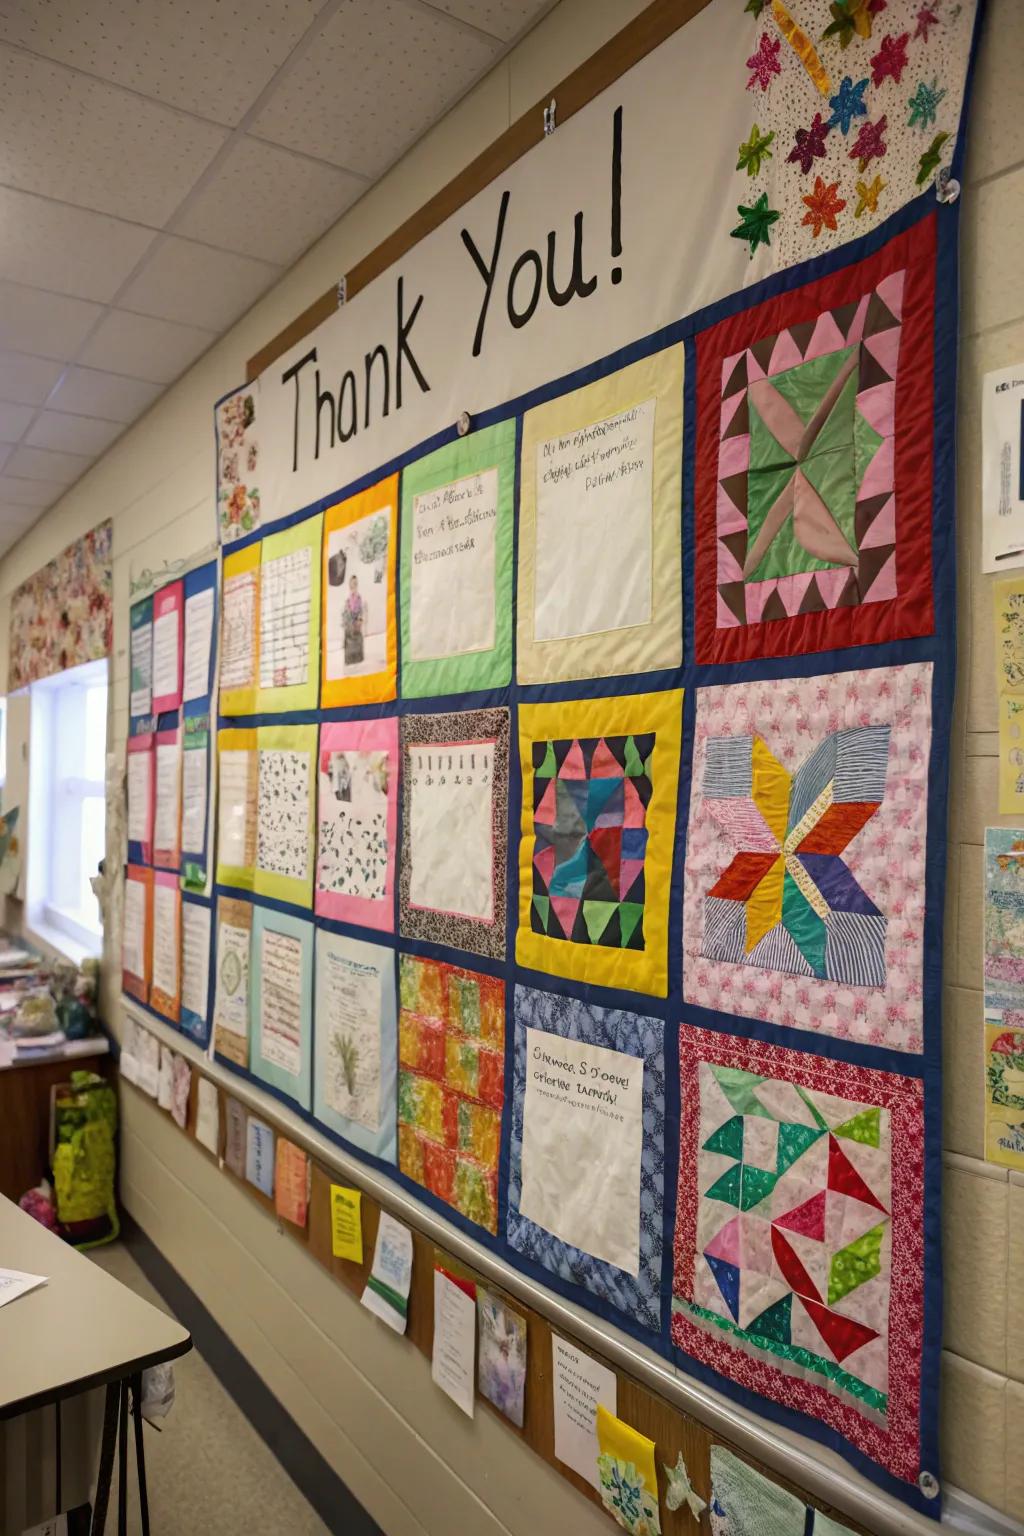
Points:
point(580, 830)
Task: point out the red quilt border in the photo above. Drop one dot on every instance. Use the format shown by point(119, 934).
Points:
point(911, 613)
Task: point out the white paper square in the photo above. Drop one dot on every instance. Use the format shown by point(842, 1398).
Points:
point(451, 841)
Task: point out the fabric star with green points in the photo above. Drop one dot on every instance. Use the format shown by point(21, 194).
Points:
point(755, 223)
point(754, 151)
point(924, 104)
point(930, 160)
point(755, 7)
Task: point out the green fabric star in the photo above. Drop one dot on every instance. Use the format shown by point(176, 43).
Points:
point(754, 151)
point(755, 223)
point(755, 7)
point(681, 1491)
point(924, 104)
point(929, 161)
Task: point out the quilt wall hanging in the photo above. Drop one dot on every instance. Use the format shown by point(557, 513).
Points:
point(582, 711)
point(63, 616)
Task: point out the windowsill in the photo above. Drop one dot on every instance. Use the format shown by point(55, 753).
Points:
point(58, 944)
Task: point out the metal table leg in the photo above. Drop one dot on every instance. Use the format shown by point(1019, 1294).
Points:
point(140, 1451)
point(106, 1468)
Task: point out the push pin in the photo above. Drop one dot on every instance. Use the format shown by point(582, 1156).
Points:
point(947, 188)
point(463, 424)
point(929, 1485)
point(549, 118)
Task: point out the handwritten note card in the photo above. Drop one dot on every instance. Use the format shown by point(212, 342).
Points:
point(238, 631)
point(141, 701)
point(194, 774)
point(583, 1112)
point(195, 957)
point(259, 1156)
point(450, 834)
point(133, 942)
point(281, 1001)
point(140, 790)
point(167, 821)
point(231, 1002)
point(353, 810)
point(453, 568)
point(236, 847)
point(208, 1115)
point(291, 1182)
point(166, 905)
point(579, 1384)
point(346, 1224)
point(198, 643)
point(283, 815)
point(234, 1137)
point(453, 1358)
point(595, 491)
point(285, 598)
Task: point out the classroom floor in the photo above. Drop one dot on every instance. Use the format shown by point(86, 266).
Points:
point(208, 1469)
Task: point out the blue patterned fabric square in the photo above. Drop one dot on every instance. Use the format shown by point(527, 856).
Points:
point(638, 1296)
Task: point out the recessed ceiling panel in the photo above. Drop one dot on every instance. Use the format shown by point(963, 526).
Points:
point(26, 380)
point(65, 249)
point(502, 18)
point(72, 434)
point(44, 464)
point(146, 348)
point(194, 283)
point(265, 201)
point(89, 392)
point(83, 141)
point(47, 324)
point(29, 493)
point(379, 75)
point(212, 57)
point(14, 419)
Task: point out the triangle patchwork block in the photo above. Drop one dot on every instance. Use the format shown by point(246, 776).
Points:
point(844, 1178)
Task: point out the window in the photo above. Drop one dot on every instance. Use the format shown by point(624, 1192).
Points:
point(67, 805)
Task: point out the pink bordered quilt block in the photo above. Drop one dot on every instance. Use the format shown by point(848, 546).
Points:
point(804, 898)
point(799, 1249)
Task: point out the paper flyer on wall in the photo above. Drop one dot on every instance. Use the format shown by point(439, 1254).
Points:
point(1003, 975)
point(1002, 472)
point(387, 1288)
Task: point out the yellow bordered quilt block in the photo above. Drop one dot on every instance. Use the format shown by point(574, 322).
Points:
point(600, 784)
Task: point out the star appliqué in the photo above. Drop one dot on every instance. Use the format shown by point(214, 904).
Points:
point(929, 161)
point(823, 205)
point(924, 104)
point(754, 151)
point(891, 59)
point(810, 144)
point(869, 144)
point(926, 19)
point(848, 103)
point(764, 62)
point(867, 196)
point(755, 223)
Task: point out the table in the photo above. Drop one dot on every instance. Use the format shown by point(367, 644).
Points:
point(25, 1112)
point(81, 1330)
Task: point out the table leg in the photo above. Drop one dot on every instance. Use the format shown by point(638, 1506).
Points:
point(140, 1451)
point(106, 1467)
point(122, 1458)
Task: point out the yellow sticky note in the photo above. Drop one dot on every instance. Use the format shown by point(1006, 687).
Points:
point(628, 1478)
point(346, 1224)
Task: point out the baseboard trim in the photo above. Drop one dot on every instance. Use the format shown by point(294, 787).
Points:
point(336, 1505)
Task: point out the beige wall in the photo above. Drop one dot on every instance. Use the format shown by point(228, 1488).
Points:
point(363, 1397)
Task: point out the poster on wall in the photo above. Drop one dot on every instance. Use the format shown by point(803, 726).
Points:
point(1002, 469)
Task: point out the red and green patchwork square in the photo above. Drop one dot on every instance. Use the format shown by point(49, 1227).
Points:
point(799, 1257)
point(813, 465)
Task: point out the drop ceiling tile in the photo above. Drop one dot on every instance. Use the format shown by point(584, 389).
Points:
point(145, 348)
point(26, 380)
point(66, 250)
point(45, 464)
point(13, 421)
point(380, 74)
point(29, 493)
point(61, 132)
point(212, 57)
point(5, 452)
point(265, 201)
point(501, 18)
point(196, 284)
point(48, 324)
point(73, 434)
point(90, 392)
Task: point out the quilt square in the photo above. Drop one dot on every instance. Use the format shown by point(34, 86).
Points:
point(451, 1084)
point(454, 829)
point(799, 1255)
point(563, 1047)
point(813, 464)
point(804, 881)
point(598, 819)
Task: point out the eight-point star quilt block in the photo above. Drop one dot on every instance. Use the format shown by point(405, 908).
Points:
point(600, 781)
point(799, 1255)
point(805, 864)
point(813, 464)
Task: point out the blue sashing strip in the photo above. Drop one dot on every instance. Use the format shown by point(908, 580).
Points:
point(195, 862)
point(194, 1027)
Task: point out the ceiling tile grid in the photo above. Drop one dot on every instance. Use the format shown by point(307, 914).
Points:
point(162, 162)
